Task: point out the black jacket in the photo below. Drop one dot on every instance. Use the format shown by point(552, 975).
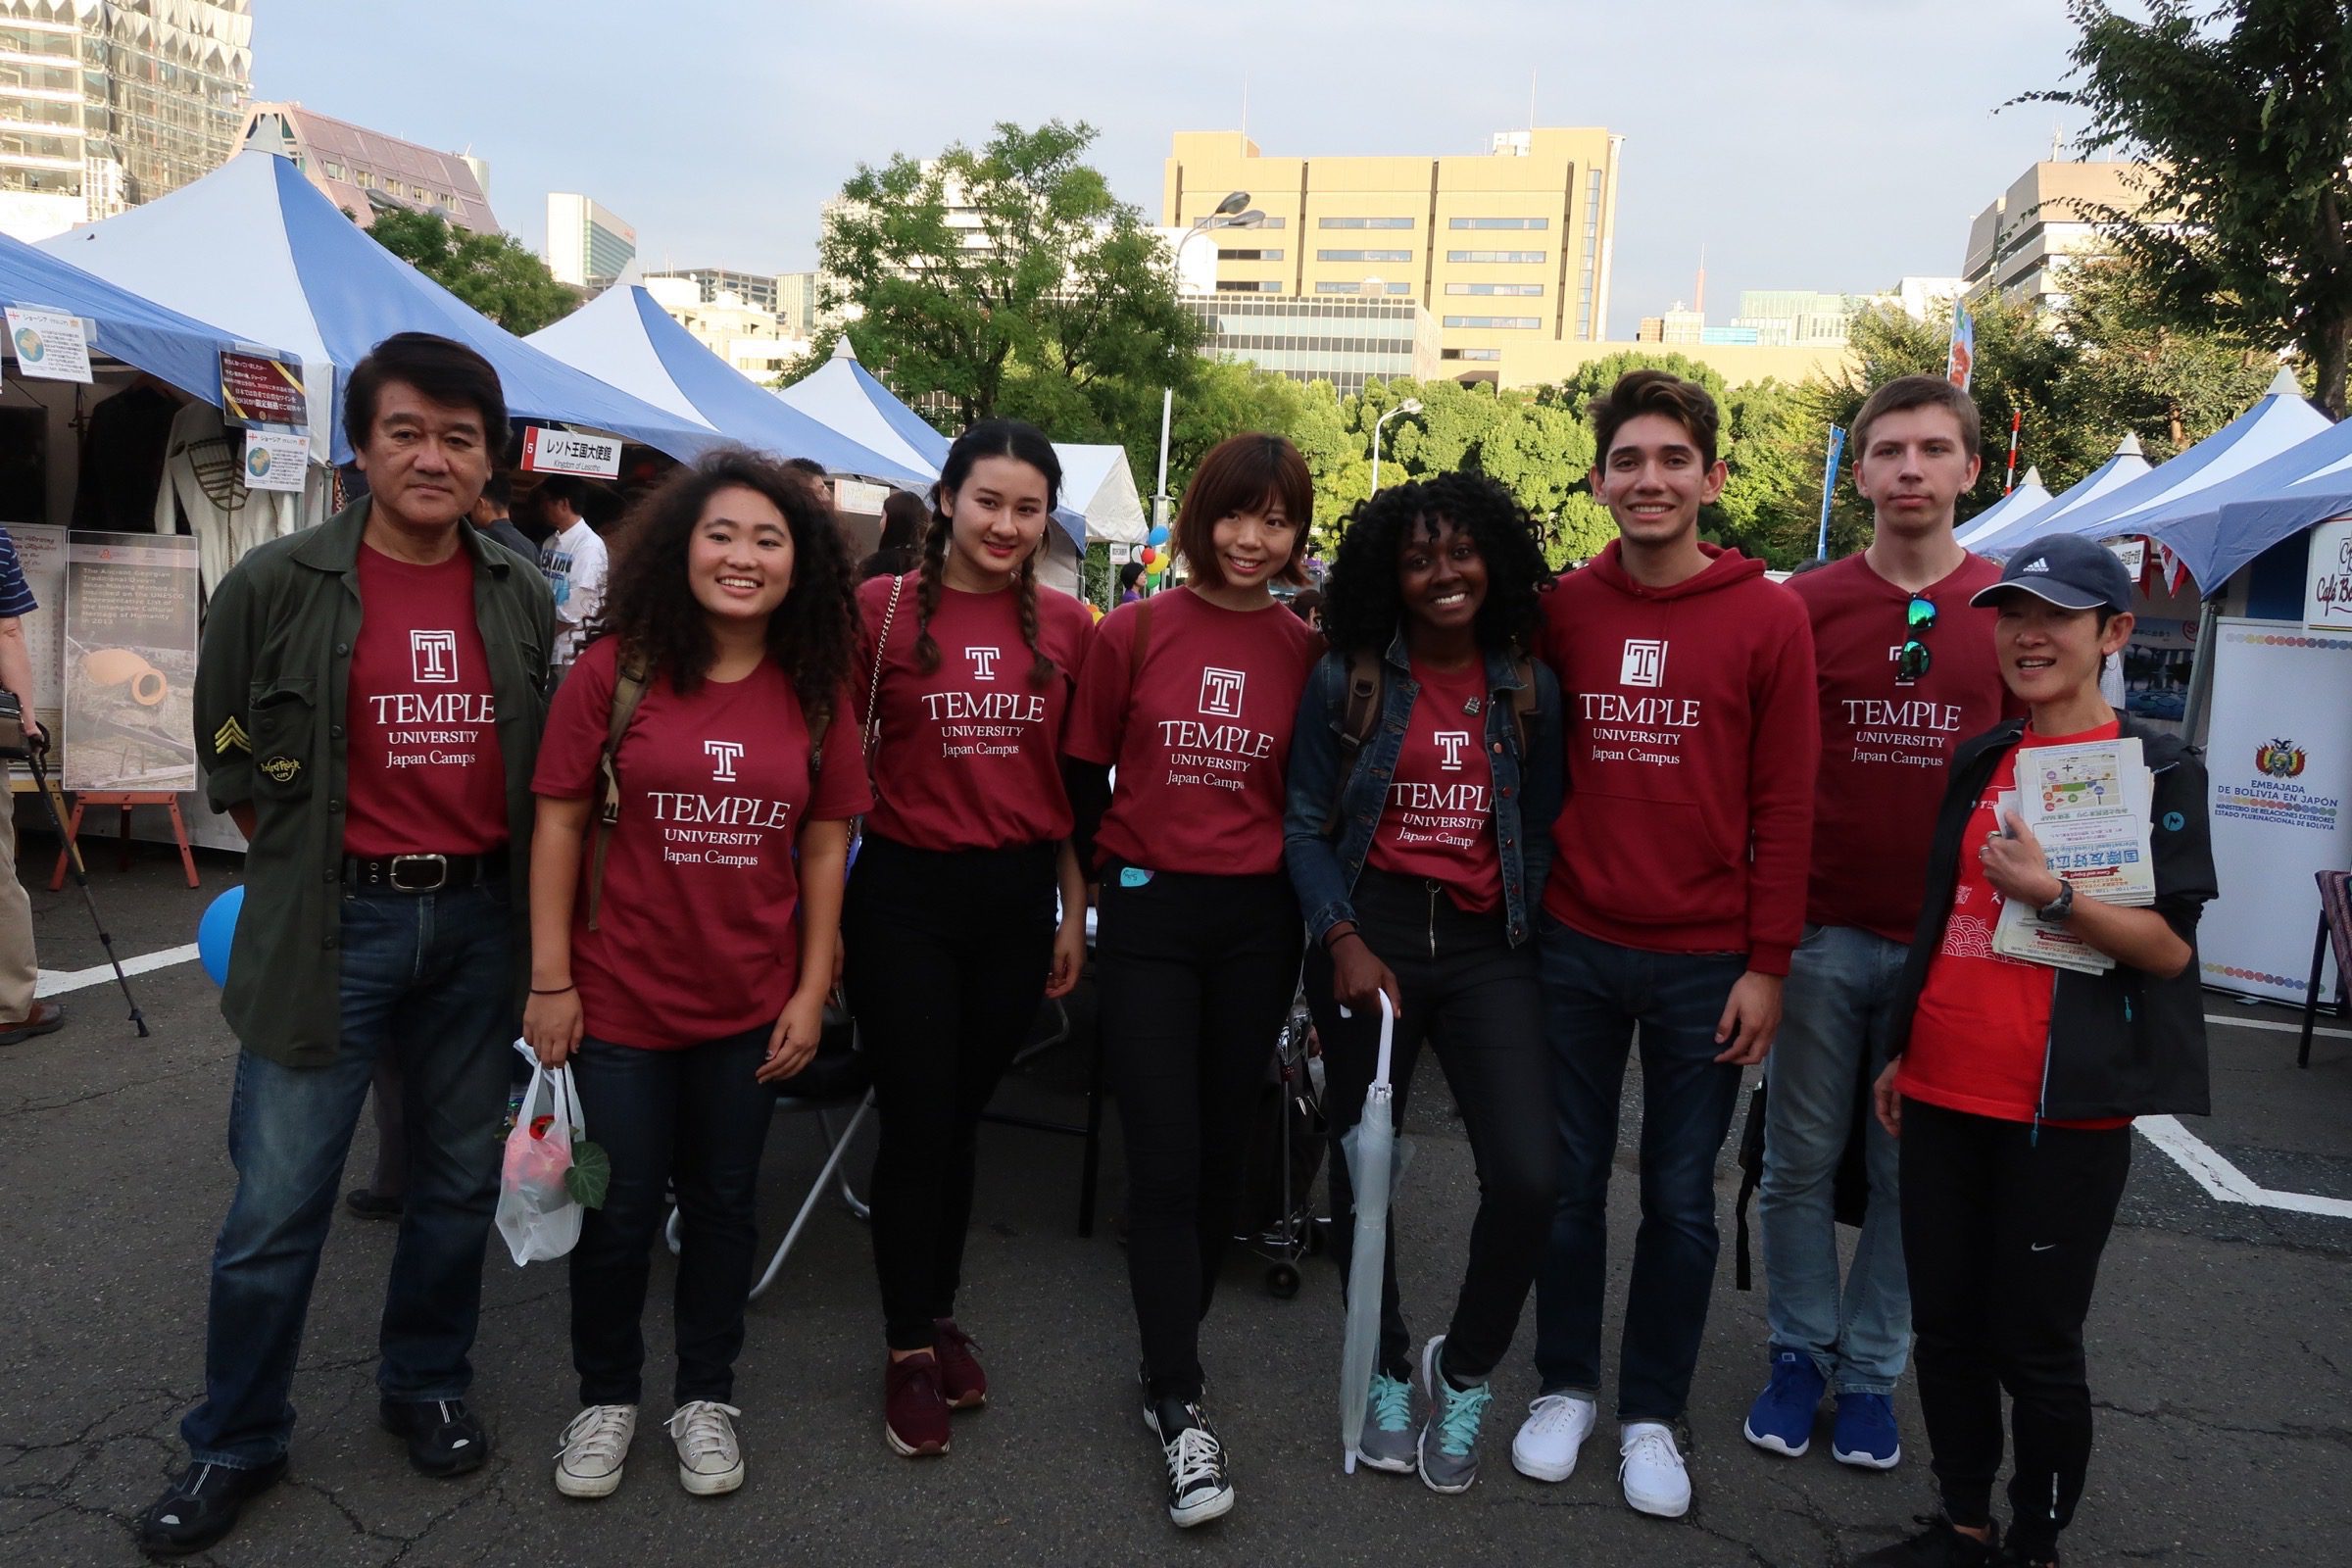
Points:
point(2123, 1043)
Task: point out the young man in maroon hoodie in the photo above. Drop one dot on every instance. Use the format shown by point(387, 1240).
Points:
point(1907, 672)
point(1674, 899)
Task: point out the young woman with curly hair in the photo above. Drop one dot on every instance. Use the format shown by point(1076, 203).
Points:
point(1191, 694)
point(681, 964)
point(1425, 774)
point(953, 937)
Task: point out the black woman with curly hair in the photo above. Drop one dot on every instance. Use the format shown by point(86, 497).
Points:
point(1425, 773)
point(682, 948)
point(966, 665)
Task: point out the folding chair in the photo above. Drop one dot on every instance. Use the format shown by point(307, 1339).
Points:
point(2335, 921)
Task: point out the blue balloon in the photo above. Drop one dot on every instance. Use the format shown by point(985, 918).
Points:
point(1159, 536)
point(216, 931)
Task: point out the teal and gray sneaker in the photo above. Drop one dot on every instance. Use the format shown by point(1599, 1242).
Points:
point(1449, 1438)
point(1389, 1441)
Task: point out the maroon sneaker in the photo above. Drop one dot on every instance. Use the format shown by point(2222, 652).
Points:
point(961, 1383)
point(914, 1415)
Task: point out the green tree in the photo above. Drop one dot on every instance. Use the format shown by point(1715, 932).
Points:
point(2242, 113)
point(1059, 305)
point(2137, 368)
point(492, 273)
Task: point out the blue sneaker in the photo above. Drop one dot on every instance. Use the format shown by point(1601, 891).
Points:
point(1388, 1442)
point(1780, 1420)
point(1865, 1434)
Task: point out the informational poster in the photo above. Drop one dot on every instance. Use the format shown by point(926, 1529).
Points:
point(2132, 553)
point(1120, 554)
point(547, 450)
point(41, 552)
point(50, 345)
point(276, 460)
point(2281, 762)
point(859, 497)
point(2328, 591)
point(2157, 664)
point(258, 387)
point(131, 662)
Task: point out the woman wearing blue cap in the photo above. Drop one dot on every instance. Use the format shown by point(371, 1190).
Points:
point(2014, 1094)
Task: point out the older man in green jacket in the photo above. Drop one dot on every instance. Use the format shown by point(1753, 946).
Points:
point(369, 701)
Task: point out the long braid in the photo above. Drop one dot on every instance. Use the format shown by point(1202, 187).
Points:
point(927, 588)
point(1041, 667)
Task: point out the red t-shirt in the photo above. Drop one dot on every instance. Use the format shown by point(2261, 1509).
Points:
point(1885, 742)
point(697, 937)
point(422, 769)
point(969, 757)
point(1438, 820)
point(1201, 739)
point(1982, 1031)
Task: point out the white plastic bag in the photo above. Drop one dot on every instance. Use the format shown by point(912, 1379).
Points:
point(537, 1213)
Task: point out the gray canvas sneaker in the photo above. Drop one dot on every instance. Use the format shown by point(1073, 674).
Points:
point(1450, 1436)
point(1390, 1442)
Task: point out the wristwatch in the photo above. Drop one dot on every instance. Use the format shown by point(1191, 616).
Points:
point(2058, 908)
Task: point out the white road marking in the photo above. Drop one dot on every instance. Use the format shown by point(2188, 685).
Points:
point(57, 982)
point(2277, 1027)
point(2225, 1180)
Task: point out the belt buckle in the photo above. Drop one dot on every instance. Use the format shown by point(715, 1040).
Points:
point(440, 872)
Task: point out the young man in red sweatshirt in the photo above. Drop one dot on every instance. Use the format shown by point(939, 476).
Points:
point(1676, 896)
point(1907, 672)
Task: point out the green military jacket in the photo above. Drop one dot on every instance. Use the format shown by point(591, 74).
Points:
point(271, 684)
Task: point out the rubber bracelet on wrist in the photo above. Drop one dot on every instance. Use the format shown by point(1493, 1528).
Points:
point(1332, 937)
point(553, 990)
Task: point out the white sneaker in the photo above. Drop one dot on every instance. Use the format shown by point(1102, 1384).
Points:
point(593, 1448)
point(1552, 1435)
point(1652, 1471)
point(710, 1462)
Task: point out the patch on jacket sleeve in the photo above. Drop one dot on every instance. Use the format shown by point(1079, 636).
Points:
point(231, 737)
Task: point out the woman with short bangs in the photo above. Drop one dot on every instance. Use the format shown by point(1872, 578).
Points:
point(1191, 695)
point(682, 967)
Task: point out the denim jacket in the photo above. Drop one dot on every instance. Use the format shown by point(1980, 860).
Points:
point(1324, 867)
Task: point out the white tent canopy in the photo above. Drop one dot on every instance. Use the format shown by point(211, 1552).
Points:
point(2028, 498)
point(1098, 482)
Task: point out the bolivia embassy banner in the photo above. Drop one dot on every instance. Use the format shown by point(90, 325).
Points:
point(2279, 755)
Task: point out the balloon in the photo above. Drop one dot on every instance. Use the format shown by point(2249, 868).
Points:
point(1150, 555)
point(216, 931)
point(1159, 536)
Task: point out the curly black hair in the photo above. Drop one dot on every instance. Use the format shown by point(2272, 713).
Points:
point(651, 606)
point(1360, 603)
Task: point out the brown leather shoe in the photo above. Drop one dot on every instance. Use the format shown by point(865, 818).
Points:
point(46, 1018)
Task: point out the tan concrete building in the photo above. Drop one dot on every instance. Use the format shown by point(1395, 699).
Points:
point(1508, 250)
point(2023, 243)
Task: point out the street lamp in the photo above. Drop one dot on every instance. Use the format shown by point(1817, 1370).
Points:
point(1234, 212)
point(1408, 406)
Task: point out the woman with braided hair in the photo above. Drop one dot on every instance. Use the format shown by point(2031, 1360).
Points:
point(951, 935)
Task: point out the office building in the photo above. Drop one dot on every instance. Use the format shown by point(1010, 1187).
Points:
point(748, 338)
point(366, 171)
point(1678, 326)
point(799, 303)
point(103, 106)
point(755, 289)
point(2046, 221)
point(1508, 250)
point(1346, 342)
point(589, 245)
point(1797, 318)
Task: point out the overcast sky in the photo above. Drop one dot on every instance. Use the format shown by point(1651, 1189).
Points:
point(1833, 144)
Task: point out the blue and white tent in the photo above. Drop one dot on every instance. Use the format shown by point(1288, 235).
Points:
point(2306, 484)
point(2028, 498)
point(168, 346)
point(623, 338)
point(255, 248)
point(2126, 465)
point(2176, 494)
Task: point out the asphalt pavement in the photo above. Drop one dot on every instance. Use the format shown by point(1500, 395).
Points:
point(2221, 1350)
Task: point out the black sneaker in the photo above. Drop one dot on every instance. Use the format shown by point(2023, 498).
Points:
point(202, 1506)
point(1939, 1546)
point(1197, 1488)
point(444, 1438)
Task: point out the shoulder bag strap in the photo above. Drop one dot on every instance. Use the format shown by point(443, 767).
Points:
point(1358, 721)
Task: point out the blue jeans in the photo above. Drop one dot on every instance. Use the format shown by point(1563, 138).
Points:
point(1595, 993)
point(1838, 1020)
point(430, 974)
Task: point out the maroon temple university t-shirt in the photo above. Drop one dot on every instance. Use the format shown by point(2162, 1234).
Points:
point(1887, 743)
point(697, 936)
point(1201, 739)
point(422, 769)
point(1438, 820)
point(969, 757)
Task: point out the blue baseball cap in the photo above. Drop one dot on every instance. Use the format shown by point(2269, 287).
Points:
point(2067, 570)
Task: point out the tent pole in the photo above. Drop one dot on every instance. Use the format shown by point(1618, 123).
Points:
point(2200, 678)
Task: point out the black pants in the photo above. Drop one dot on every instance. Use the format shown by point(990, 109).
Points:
point(1194, 974)
point(947, 953)
point(698, 1116)
point(1475, 999)
point(2002, 1234)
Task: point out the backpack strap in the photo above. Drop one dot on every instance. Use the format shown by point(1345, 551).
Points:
point(1358, 721)
point(628, 690)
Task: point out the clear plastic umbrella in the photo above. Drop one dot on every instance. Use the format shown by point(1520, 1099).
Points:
point(1370, 1148)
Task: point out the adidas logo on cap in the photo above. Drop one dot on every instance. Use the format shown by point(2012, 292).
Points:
point(2035, 565)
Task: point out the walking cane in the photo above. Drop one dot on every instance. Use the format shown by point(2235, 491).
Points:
point(40, 780)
